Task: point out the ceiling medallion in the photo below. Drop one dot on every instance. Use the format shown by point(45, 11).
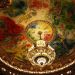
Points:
point(41, 53)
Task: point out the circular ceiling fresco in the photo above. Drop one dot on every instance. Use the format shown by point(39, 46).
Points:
point(37, 35)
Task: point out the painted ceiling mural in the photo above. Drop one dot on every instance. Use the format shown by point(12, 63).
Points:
point(37, 35)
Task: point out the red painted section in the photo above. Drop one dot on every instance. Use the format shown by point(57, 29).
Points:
point(28, 45)
point(23, 37)
point(45, 5)
point(62, 26)
point(48, 37)
point(38, 4)
point(2, 37)
point(73, 1)
point(10, 28)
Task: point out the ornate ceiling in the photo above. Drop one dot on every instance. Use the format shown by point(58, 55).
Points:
point(37, 36)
